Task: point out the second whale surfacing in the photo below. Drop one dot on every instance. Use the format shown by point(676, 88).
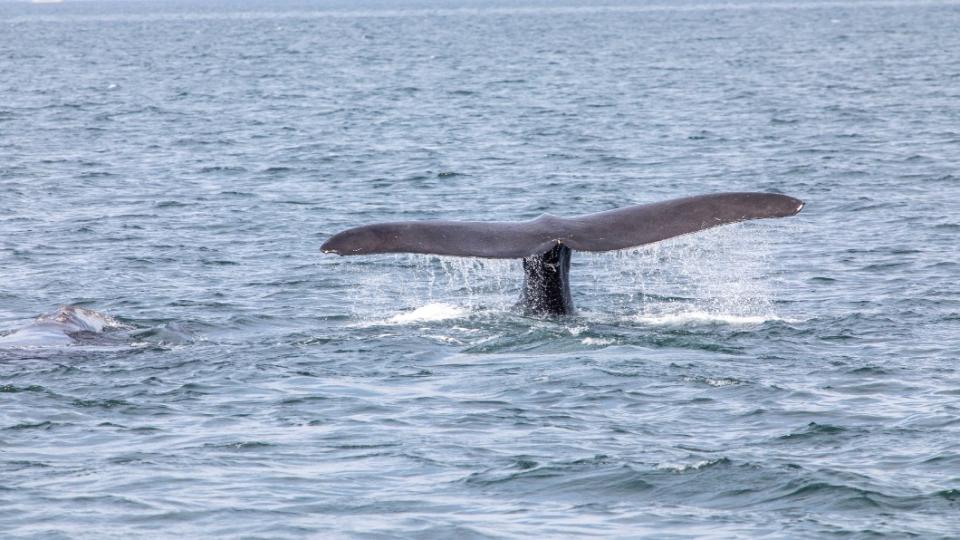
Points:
point(68, 325)
point(546, 243)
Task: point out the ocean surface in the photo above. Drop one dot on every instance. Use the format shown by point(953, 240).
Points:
point(172, 168)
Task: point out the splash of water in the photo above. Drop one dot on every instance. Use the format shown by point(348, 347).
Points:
point(407, 283)
point(721, 275)
point(724, 275)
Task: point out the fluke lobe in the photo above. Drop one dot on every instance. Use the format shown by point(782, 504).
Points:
point(545, 243)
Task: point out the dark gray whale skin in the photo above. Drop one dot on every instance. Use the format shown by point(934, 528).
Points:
point(546, 283)
point(539, 241)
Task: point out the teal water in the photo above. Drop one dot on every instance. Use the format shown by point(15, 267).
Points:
point(176, 166)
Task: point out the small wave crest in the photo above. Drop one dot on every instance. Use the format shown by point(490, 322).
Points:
point(597, 341)
point(690, 467)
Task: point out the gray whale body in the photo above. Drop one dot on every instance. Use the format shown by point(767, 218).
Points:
point(68, 325)
point(545, 244)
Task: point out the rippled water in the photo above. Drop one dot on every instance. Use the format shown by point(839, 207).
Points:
point(176, 166)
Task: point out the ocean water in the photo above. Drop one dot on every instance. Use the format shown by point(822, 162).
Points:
point(174, 167)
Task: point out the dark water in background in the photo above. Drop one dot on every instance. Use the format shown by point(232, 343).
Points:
point(177, 167)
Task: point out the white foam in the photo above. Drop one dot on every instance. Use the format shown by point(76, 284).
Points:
point(597, 341)
point(721, 382)
point(429, 312)
point(703, 317)
point(444, 339)
point(717, 382)
point(686, 467)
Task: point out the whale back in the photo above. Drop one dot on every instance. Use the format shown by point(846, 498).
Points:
point(62, 327)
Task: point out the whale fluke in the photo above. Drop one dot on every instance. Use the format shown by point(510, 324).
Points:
point(545, 243)
point(604, 231)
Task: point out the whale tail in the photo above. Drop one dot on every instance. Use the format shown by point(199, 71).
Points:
point(545, 243)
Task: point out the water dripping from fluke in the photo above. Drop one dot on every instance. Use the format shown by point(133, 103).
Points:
point(545, 245)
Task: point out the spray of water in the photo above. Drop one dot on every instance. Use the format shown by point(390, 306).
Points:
point(719, 275)
point(724, 275)
point(409, 288)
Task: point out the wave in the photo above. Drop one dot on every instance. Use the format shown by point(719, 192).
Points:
point(691, 467)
